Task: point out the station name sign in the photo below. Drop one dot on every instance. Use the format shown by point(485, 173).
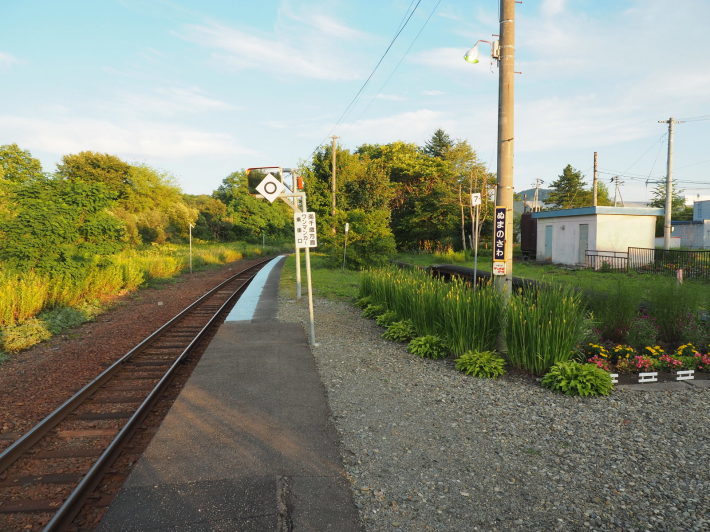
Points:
point(499, 265)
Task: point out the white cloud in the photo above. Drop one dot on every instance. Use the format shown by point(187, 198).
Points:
point(411, 126)
point(278, 53)
point(433, 93)
point(391, 97)
point(171, 101)
point(7, 60)
point(135, 139)
point(552, 7)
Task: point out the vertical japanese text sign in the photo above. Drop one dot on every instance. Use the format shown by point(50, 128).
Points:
point(304, 224)
point(499, 242)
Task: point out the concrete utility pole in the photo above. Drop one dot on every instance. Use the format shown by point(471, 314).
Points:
point(536, 196)
point(504, 189)
point(669, 185)
point(332, 181)
point(594, 180)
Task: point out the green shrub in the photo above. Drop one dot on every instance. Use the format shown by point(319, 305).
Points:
point(428, 346)
point(616, 311)
point(372, 311)
point(689, 362)
point(400, 331)
point(4, 357)
point(18, 337)
point(642, 332)
point(364, 302)
point(484, 364)
point(573, 378)
point(386, 318)
point(674, 308)
point(61, 318)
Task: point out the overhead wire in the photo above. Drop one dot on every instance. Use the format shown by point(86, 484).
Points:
point(394, 70)
point(372, 73)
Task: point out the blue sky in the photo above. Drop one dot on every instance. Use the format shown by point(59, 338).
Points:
point(202, 88)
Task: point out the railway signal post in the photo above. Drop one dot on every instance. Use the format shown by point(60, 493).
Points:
point(305, 234)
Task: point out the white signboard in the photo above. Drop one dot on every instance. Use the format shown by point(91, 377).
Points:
point(498, 267)
point(304, 224)
point(475, 199)
point(270, 188)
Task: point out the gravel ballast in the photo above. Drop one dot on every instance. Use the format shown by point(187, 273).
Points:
point(428, 448)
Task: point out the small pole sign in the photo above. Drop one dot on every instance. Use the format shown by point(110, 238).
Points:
point(499, 267)
point(270, 188)
point(475, 199)
point(304, 224)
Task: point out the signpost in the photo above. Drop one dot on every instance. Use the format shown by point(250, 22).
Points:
point(305, 235)
point(499, 243)
point(345, 246)
point(475, 202)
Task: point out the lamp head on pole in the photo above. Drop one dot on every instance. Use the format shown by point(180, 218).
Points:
point(472, 56)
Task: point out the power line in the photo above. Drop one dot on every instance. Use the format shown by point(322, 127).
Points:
point(657, 179)
point(362, 87)
point(372, 73)
point(436, 6)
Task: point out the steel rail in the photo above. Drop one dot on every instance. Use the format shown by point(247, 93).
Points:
point(69, 508)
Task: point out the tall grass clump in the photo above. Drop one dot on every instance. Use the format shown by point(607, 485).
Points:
point(21, 296)
point(465, 319)
point(616, 310)
point(543, 326)
point(675, 309)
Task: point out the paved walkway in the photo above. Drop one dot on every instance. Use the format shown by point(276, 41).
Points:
point(248, 445)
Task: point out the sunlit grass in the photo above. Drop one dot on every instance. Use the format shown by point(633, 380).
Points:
point(330, 283)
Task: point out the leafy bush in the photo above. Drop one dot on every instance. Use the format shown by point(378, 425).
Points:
point(18, 337)
point(400, 331)
point(372, 311)
point(364, 302)
point(689, 362)
point(642, 332)
point(428, 346)
point(484, 364)
point(573, 378)
point(386, 318)
point(61, 318)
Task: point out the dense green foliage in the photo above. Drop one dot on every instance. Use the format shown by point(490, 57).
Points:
point(568, 191)
point(573, 378)
point(429, 346)
point(483, 364)
point(542, 327)
point(400, 331)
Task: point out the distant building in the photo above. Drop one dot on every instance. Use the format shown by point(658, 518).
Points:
point(564, 236)
point(695, 233)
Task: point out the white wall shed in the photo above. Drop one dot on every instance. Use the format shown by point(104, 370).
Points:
point(563, 236)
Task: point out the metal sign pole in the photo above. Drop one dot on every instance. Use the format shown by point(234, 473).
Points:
point(345, 247)
point(475, 254)
point(190, 225)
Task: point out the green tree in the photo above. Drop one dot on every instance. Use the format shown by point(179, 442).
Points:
point(60, 223)
point(17, 165)
point(678, 209)
point(439, 143)
point(252, 217)
point(92, 167)
point(568, 190)
point(212, 222)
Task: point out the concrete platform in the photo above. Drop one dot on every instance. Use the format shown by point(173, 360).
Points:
point(248, 445)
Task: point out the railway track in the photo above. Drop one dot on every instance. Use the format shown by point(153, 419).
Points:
point(47, 474)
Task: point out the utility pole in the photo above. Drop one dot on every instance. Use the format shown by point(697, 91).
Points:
point(594, 180)
point(332, 182)
point(536, 196)
point(669, 184)
point(504, 189)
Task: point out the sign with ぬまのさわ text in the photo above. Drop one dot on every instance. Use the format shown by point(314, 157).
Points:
point(304, 224)
point(499, 242)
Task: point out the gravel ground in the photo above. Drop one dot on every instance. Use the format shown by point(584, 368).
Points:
point(428, 448)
